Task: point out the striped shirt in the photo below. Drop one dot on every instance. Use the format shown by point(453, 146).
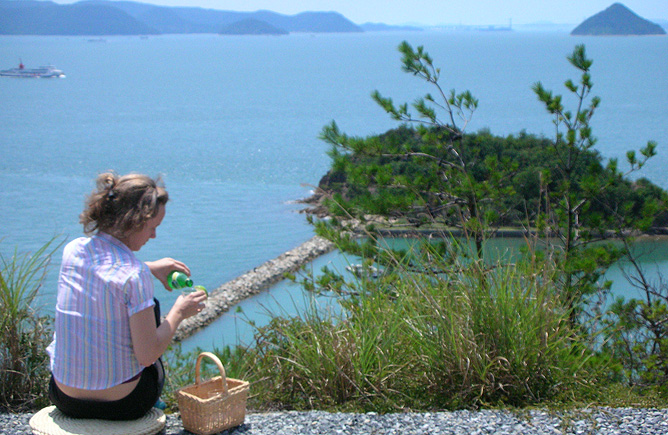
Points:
point(101, 284)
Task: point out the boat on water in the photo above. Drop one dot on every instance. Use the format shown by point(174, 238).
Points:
point(40, 72)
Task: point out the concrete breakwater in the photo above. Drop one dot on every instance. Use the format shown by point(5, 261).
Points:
point(251, 283)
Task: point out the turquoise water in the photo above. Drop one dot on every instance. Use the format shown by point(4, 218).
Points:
point(232, 124)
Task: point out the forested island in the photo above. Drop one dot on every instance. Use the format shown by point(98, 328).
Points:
point(406, 182)
point(617, 20)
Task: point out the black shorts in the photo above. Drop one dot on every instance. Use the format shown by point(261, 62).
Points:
point(133, 406)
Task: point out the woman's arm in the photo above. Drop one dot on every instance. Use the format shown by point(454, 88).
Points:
point(149, 342)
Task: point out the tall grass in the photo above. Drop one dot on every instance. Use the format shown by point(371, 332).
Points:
point(24, 333)
point(457, 334)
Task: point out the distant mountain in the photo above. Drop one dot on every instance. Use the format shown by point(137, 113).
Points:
point(617, 20)
point(105, 17)
point(316, 22)
point(251, 26)
point(380, 27)
point(30, 17)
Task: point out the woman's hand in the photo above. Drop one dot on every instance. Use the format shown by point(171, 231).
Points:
point(190, 304)
point(161, 268)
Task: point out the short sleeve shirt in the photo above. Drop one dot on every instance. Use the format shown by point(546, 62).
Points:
point(100, 286)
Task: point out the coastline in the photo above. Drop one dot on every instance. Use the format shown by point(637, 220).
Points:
point(391, 227)
point(251, 283)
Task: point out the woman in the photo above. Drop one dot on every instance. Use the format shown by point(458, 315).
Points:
point(108, 339)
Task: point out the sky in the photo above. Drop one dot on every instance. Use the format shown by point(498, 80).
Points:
point(436, 12)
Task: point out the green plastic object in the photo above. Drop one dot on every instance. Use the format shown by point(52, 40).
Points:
point(178, 280)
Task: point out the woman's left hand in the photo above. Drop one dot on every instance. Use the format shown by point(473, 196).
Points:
point(161, 268)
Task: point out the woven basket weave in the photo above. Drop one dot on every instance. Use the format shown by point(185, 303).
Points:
point(215, 405)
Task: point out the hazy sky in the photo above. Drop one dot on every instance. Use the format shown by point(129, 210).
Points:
point(434, 12)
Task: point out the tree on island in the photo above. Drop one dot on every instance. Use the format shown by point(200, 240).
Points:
point(430, 171)
point(437, 173)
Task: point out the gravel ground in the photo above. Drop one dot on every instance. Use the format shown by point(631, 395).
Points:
point(608, 421)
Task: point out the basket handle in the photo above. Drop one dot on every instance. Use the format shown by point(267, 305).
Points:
point(215, 359)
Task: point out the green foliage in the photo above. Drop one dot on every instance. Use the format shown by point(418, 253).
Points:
point(427, 173)
point(639, 339)
point(401, 184)
point(587, 199)
point(636, 331)
point(421, 341)
point(430, 172)
point(436, 173)
point(24, 333)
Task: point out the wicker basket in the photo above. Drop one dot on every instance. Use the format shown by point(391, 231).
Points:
point(215, 405)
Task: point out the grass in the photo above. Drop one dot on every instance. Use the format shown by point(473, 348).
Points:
point(462, 336)
point(24, 333)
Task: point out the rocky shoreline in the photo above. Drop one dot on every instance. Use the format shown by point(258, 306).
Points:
point(251, 283)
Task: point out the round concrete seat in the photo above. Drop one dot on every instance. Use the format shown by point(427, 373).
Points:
point(50, 421)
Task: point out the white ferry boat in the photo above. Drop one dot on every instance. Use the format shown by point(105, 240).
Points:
point(41, 72)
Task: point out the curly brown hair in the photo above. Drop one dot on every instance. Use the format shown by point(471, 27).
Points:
point(121, 204)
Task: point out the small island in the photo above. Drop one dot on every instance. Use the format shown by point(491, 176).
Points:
point(617, 20)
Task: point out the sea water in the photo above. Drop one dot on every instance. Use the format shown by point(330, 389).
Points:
point(232, 123)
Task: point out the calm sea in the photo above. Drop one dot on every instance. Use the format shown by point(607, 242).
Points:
point(232, 124)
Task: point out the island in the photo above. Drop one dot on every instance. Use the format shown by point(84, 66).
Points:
point(617, 20)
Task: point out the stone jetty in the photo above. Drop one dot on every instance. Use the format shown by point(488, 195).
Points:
point(251, 283)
